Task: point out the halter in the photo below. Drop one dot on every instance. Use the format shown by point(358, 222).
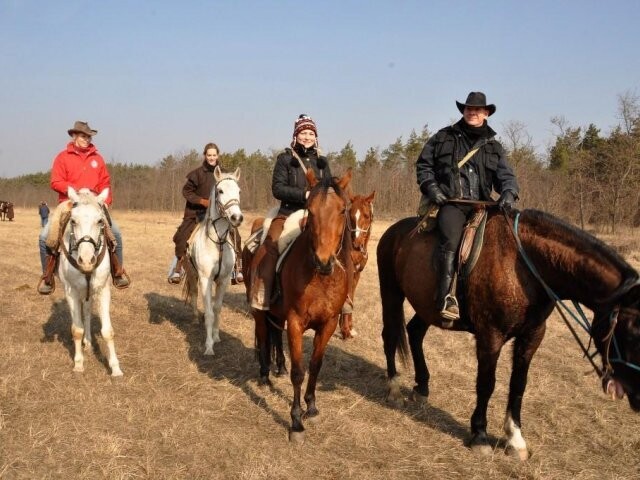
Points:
point(582, 321)
point(222, 210)
point(100, 246)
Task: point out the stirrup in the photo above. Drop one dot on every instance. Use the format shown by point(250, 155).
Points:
point(448, 316)
point(52, 285)
point(237, 277)
point(124, 275)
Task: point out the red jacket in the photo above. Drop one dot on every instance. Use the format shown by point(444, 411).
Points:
point(80, 170)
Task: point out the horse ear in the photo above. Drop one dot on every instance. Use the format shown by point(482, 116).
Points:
point(346, 179)
point(72, 194)
point(311, 178)
point(217, 173)
point(371, 197)
point(236, 174)
point(103, 196)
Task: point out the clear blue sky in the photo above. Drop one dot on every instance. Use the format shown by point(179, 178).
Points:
point(162, 77)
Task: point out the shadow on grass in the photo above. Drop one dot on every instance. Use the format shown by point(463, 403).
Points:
point(58, 329)
point(239, 365)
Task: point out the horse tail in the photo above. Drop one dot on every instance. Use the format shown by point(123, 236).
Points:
point(394, 334)
point(190, 288)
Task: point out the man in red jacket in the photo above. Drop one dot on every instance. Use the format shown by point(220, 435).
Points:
point(81, 166)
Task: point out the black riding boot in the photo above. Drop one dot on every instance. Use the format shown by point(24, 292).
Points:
point(447, 301)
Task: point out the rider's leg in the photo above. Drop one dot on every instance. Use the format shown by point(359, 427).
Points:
point(181, 239)
point(120, 277)
point(264, 265)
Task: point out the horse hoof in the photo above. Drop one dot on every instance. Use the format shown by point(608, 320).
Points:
point(296, 438)
point(396, 401)
point(116, 372)
point(420, 400)
point(354, 333)
point(78, 369)
point(209, 352)
point(518, 454)
point(281, 372)
point(264, 382)
point(482, 449)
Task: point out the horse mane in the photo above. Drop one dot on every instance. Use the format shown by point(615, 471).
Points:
point(86, 197)
point(552, 227)
point(326, 183)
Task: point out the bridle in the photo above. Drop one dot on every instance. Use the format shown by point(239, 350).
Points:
point(223, 212)
point(608, 340)
point(345, 224)
point(362, 248)
point(99, 246)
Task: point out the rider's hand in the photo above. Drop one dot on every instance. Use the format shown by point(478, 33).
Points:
point(507, 200)
point(433, 192)
point(204, 202)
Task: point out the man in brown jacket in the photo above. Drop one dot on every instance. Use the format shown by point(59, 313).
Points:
point(196, 191)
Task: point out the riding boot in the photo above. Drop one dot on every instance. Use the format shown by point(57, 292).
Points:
point(47, 283)
point(450, 311)
point(121, 279)
point(177, 272)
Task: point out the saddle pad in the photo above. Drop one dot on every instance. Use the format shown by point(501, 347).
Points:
point(472, 241)
point(291, 230)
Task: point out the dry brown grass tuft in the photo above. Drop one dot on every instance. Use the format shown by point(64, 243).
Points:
point(177, 414)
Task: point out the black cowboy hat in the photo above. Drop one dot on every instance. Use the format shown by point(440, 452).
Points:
point(82, 127)
point(476, 99)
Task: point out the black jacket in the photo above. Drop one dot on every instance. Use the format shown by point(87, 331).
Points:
point(289, 183)
point(438, 163)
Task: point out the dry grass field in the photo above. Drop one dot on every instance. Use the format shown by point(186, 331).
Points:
point(176, 414)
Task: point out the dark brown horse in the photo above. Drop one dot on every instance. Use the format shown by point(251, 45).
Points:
point(502, 299)
point(315, 280)
point(360, 219)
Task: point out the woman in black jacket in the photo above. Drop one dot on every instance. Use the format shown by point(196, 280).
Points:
point(289, 185)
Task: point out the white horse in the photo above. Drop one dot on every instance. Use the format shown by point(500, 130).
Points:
point(211, 255)
point(84, 271)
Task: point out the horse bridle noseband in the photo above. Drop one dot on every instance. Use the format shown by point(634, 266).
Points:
point(100, 246)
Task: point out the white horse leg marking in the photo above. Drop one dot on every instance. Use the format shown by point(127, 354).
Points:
point(515, 442)
point(107, 331)
point(394, 395)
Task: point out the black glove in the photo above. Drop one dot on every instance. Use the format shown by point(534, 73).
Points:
point(506, 200)
point(433, 192)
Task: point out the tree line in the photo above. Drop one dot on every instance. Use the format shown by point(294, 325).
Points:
point(585, 177)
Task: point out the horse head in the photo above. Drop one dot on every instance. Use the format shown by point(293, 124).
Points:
point(617, 336)
point(86, 227)
point(225, 196)
point(360, 217)
point(327, 205)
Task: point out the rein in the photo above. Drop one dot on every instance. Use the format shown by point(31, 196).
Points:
point(100, 246)
point(582, 320)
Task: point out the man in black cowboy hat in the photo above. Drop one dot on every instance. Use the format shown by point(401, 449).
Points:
point(79, 165)
point(462, 161)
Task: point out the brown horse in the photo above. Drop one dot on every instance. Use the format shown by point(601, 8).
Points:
point(315, 280)
point(502, 298)
point(360, 218)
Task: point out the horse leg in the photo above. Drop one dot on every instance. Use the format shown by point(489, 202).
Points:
point(417, 329)
point(218, 296)
point(320, 341)
point(263, 345)
point(487, 353)
point(392, 337)
point(205, 287)
point(77, 331)
point(86, 318)
point(275, 335)
point(523, 349)
point(294, 336)
point(104, 297)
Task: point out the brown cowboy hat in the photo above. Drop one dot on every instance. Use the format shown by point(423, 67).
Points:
point(476, 99)
point(82, 127)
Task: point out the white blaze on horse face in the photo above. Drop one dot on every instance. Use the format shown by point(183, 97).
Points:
point(357, 222)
